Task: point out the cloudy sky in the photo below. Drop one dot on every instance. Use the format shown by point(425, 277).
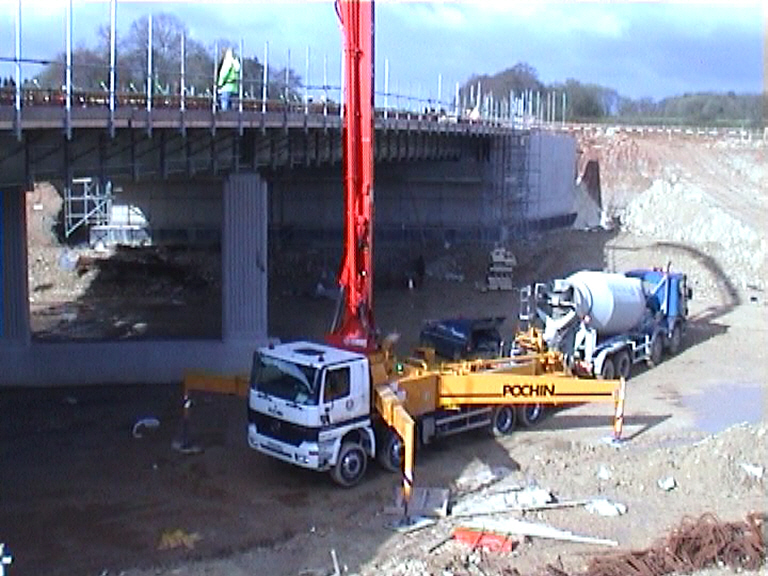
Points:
point(652, 49)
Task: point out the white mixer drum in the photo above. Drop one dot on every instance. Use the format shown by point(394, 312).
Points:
point(613, 303)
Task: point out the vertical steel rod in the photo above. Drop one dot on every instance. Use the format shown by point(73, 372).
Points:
point(341, 88)
point(215, 98)
point(287, 79)
point(149, 74)
point(112, 58)
point(265, 78)
point(241, 75)
point(68, 74)
point(182, 79)
point(456, 101)
point(439, 92)
point(325, 85)
point(18, 70)
point(306, 84)
point(563, 108)
point(386, 86)
point(553, 116)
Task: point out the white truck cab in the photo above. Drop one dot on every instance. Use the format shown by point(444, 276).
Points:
point(310, 405)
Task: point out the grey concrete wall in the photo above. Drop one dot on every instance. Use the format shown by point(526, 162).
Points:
point(429, 195)
point(175, 209)
point(552, 175)
point(468, 196)
point(72, 363)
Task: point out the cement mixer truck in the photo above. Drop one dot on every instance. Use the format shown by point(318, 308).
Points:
point(604, 323)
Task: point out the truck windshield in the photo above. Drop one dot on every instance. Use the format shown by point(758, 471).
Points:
point(286, 380)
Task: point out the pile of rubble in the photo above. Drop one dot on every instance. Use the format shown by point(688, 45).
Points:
point(494, 520)
point(683, 214)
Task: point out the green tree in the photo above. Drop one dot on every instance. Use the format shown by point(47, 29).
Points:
point(91, 64)
point(521, 78)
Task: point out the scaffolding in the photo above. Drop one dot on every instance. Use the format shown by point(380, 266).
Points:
point(86, 203)
point(534, 193)
point(515, 181)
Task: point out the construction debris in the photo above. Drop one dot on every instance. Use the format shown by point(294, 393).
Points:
point(517, 499)
point(411, 524)
point(445, 268)
point(336, 569)
point(500, 269)
point(171, 539)
point(752, 470)
point(148, 423)
point(605, 507)
point(487, 540)
point(472, 481)
point(604, 473)
point(668, 483)
point(523, 528)
point(694, 545)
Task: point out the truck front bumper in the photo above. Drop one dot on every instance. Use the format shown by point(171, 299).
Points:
point(307, 454)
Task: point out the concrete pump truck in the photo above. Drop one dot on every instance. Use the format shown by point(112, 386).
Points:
point(334, 406)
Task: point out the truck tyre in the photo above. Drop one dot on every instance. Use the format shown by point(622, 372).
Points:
point(675, 340)
point(608, 371)
point(530, 414)
point(390, 452)
point(351, 465)
point(623, 365)
point(657, 349)
point(503, 420)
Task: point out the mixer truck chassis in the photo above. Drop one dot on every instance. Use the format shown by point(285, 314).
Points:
point(604, 323)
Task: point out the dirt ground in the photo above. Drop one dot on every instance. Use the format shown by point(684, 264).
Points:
point(116, 293)
point(79, 494)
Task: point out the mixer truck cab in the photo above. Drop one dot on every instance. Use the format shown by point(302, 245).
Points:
point(604, 323)
point(667, 294)
point(310, 405)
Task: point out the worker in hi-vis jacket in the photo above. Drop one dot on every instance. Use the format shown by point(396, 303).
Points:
point(229, 74)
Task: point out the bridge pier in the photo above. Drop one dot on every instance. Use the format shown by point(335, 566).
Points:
point(14, 286)
point(244, 259)
point(24, 362)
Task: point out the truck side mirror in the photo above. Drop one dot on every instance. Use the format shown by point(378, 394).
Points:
point(689, 293)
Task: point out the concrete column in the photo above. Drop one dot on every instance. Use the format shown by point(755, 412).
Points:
point(244, 259)
point(14, 286)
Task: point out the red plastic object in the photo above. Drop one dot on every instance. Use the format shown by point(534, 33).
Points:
point(487, 540)
point(353, 325)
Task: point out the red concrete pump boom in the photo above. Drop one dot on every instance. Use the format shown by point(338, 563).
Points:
point(353, 325)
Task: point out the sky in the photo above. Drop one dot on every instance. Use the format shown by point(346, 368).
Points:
point(641, 49)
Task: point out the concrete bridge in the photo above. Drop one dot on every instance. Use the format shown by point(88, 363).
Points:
point(239, 176)
point(48, 141)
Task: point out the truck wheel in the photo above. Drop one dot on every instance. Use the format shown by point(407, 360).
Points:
point(351, 465)
point(530, 414)
point(390, 453)
point(608, 371)
point(675, 340)
point(623, 365)
point(657, 349)
point(503, 420)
